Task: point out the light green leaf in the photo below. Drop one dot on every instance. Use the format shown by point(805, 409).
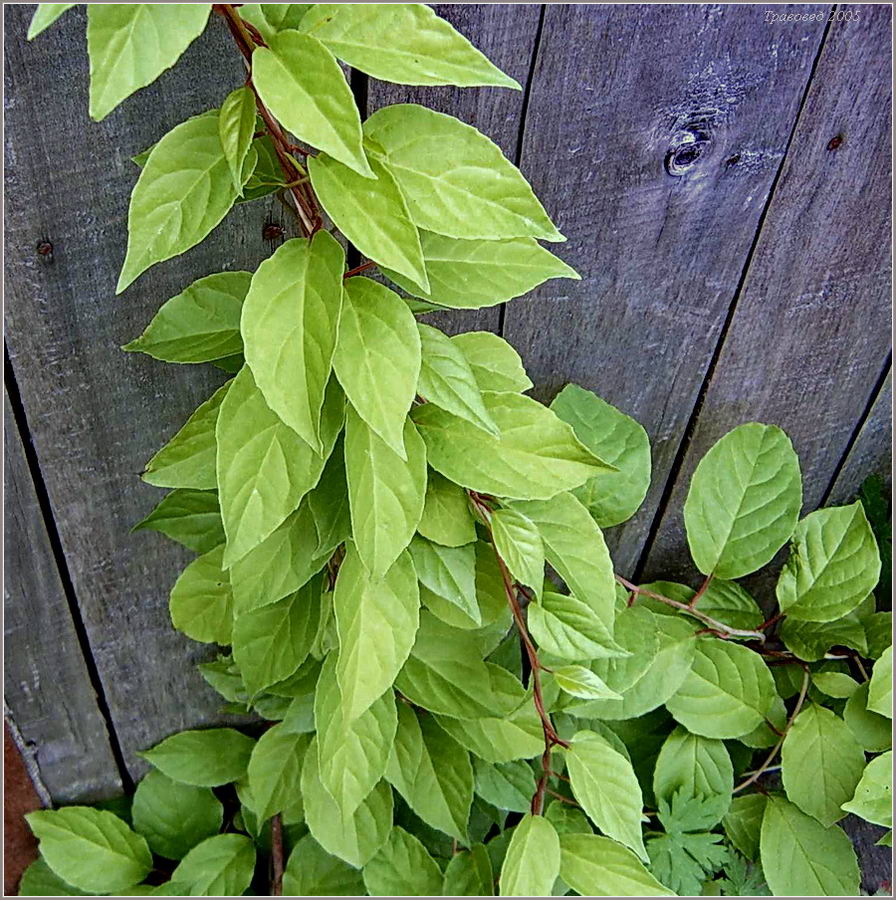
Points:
point(236, 126)
point(371, 213)
point(45, 15)
point(352, 753)
point(564, 626)
point(873, 731)
point(802, 858)
point(354, 838)
point(90, 849)
point(275, 769)
point(131, 44)
point(39, 880)
point(581, 682)
point(191, 518)
point(535, 457)
point(727, 693)
point(402, 868)
point(205, 758)
point(762, 735)
point(449, 572)
point(478, 274)
point(264, 467)
point(405, 43)
point(301, 83)
point(611, 497)
point(595, 866)
point(447, 518)
point(377, 620)
point(743, 502)
point(386, 491)
point(834, 565)
point(499, 739)
point(311, 871)
point(272, 18)
point(880, 691)
point(811, 640)
point(456, 181)
point(289, 326)
point(174, 817)
point(518, 542)
point(495, 364)
point(728, 602)
point(636, 630)
point(509, 785)
point(605, 785)
point(835, 684)
point(221, 866)
point(532, 863)
point(873, 800)
point(201, 602)
point(188, 459)
point(469, 874)
point(432, 772)
point(743, 822)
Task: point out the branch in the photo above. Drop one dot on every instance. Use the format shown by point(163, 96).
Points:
point(277, 856)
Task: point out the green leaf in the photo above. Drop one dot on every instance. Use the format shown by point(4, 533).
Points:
point(564, 626)
point(311, 871)
point(478, 274)
point(289, 325)
point(355, 838)
point(743, 502)
point(583, 683)
point(762, 735)
point(131, 44)
point(377, 620)
point(404, 43)
point(201, 602)
point(604, 783)
point(509, 785)
point(873, 800)
point(45, 15)
point(611, 497)
point(221, 866)
point(301, 83)
point(499, 739)
point(275, 769)
point(801, 857)
point(595, 866)
point(432, 772)
point(352, 753)
point(264, 467)
point(449, 572)
point(878, 628)
point(205, 758)
point(637, 632)
point(535, 456)
point(684, 861)
point(447, 518)
point(371, 213)
point(272, 18)
point(174, 817)
point(532, 863)
point(811, 640)
point(90, 849)
point(377, 358)
point(835, 684)
point(743, 822)
point(834, 565)
point(495, 364)
point(188, 459)
point(873, 731)
point(236, 127)
point(469, 874)
point(880, 690)
point(699, 766)
point(727, 693)
point(456, 181)
point(402, 867)
point(328, 505)
point(386, 491)
point(39, 880)
point(518, 542)
point(728, 602)
point(192, 518)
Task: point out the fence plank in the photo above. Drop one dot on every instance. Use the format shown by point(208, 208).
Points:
point(48, 691)
point(811, 331)
point(506, 34)
point(98, 414)
point(621, 96)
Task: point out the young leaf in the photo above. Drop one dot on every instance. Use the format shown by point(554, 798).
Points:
point(469, 874)
point(402, 868)
point(272, 18)
point(605, 785)
point(203, 758)
point(131, 44)
point(743, 822)
point(221, 866)
point(509, 786)
point(873, 799)
point(564, 626)
point(311, 871)
point(449, 572)
point(289, 325)
point(499, 739)
point(201, 602)
point(880, 690)
point(581, 682)
point(200, 324)
point(456, 181)
point(495, 364)
point(873, 731)
point(45, 15)
point(377, 620)
point(371, 213)
point(90, 849)
point(174, 817)
point(405, 43)
point(802, 858)
point(835, 684)
point(236, 126)
point(192, 518)
point(447, 518)
point(595, 866)
point(532, 863)
point(518, 542)
point(274, 770)
point(833, 566)
point(743, 502)
point(611, 497)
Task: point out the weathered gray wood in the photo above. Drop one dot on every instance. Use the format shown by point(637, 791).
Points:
point(48, 691)
point(506, 35)
point(811, 330)
point(98, 414)
point(623, 95)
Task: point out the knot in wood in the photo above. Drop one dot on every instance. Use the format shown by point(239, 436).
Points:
point(688, 145)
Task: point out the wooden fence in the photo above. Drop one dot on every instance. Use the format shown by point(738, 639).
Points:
point(724, 183)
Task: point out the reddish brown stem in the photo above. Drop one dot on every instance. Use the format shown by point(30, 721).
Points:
point(359, 269)
point(277, 856)
point(701, 591)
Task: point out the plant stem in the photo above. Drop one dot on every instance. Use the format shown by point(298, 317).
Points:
point(359, 269)
point(701, 591)
point(277, 856)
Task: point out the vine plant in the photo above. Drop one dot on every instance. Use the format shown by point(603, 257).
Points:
point(376, 506)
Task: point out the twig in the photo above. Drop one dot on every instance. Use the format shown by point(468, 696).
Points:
point(561, 797)
point(359, 269)
point(702, 590)
point(277, 856)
